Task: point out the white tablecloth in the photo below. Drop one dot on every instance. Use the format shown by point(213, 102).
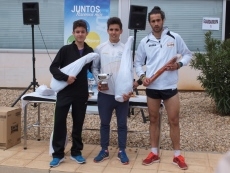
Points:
point(34, 96)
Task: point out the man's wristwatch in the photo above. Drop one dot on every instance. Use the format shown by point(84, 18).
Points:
point(179, 65)
point(142, 77)
point(139, 82)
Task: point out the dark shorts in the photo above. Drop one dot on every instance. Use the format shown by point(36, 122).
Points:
point(161, 94)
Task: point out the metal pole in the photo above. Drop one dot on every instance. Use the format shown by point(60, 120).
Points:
point(33, 59)
point(134, 43)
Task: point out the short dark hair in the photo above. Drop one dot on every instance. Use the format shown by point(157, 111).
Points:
point(79, 23)
point(156, 10)
point(114, 20)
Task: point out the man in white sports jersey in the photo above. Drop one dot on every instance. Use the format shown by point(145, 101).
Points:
point(110, 53)
point(159, 47)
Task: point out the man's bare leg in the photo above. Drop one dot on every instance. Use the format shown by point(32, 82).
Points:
point(153, 108)
point(172, 106)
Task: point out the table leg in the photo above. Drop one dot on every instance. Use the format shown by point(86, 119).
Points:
point(38, 127)
point(25, 127)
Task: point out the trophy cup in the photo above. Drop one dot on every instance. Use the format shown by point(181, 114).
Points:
point(103, 79)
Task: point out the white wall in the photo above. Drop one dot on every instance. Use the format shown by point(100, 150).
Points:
point(16, 71)
point(188, 79)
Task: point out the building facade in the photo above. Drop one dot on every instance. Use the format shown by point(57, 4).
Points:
point(182, 16)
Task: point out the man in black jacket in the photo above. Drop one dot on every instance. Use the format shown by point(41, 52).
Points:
point(75, 95)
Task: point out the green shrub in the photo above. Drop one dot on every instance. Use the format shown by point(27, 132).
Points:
point(214, 66)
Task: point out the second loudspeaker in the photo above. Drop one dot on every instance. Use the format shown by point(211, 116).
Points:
point(137, 17)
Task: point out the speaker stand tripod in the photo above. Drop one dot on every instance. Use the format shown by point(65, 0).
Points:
point(34, 83)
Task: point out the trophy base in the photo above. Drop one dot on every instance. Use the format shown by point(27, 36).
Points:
point(104, 86)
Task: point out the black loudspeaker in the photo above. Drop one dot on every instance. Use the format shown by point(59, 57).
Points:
point(137, 17)
point(30, 13)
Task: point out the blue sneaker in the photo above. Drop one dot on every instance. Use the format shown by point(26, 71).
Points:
point(103, 155)
point(78, 159)
point(123, 157)
point(56, 162)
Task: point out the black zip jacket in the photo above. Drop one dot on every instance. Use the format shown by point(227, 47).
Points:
point(66, 55)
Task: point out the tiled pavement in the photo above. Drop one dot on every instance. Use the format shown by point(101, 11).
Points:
point(36, 160)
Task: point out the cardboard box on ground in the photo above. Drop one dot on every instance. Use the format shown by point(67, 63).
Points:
point(10, 126)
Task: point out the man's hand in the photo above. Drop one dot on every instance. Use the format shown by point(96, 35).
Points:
point(126, 97)
point(172, 67)
point(99, 86)
point(146, 82)
point(135, 84)
point(71, 79)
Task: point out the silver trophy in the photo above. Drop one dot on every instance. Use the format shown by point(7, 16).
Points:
point(103, 79)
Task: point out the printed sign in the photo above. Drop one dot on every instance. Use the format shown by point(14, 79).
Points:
point(210, 23)
point(94, 12)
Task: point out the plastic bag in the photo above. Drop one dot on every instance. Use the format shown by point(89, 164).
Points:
point(72, 70)
point(124, 80)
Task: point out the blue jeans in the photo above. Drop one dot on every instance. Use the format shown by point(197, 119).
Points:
point(106, 105)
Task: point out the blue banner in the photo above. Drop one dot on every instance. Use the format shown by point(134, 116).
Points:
point(94, 12)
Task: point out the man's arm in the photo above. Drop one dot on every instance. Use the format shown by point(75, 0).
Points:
point(184, 51)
